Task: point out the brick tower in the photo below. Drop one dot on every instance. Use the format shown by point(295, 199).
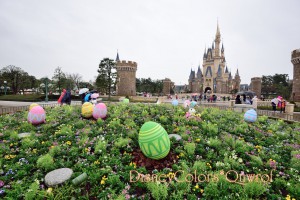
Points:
point(126, 70)
point(256, 86)
point(296, 79)
point(167, 85)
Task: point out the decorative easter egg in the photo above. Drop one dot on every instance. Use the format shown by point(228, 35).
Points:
point(175, 102)
point(154, 140)
point(125, 100)
point(87, 110)
point(186, 103)
point(193, 104)
point(100, 111)
point(32, 105)
point(192, 111)
point(36, 115)
point(250, 116)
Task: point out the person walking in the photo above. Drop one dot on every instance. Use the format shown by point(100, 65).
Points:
point(61, 97)
point(238, 99)
point(274, 103)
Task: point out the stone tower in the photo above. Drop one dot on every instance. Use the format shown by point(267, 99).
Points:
point(296, 79)
point(256, 85)
point(167, 85)
point(126, 71)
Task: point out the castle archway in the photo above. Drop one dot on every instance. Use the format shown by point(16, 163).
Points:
point(206, 89)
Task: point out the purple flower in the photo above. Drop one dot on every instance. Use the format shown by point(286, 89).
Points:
point(1, 183)
point(2, 191)
point(297, 156)
point(281, 173)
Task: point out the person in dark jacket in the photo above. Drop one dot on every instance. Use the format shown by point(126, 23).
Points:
point(238, 99)
point(67, 98)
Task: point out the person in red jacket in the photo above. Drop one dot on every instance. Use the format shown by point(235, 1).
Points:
point(61, 97)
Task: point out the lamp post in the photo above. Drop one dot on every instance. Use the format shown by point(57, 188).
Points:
point(5, 87)
point(46, 88)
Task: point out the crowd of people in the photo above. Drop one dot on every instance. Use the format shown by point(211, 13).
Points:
point(279, 103)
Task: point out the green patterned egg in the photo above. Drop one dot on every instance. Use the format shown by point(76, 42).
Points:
point(154, 140)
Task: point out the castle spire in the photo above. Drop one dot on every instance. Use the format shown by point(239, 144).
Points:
point(217, 41)
point(117, 58)
point(204, 55)
point(213, 45)
point(226, 69)
point(237, 72)
point(218, 30)
point(222, 49)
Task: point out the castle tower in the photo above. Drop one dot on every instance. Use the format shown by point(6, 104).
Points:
point(237, 80)
point(296, 78)
point(126, 71)
point(167, 85)
point(256, 86)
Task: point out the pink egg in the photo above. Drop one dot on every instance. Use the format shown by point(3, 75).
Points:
point(36, 115)
point(100, 111)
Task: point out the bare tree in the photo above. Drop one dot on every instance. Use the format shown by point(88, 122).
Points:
point(59, 77)
point(75, 78)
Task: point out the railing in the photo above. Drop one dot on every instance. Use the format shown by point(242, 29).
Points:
point(9, 110)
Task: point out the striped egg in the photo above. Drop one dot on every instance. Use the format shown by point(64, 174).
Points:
point(87, 110)
point(154, 140)
point(32, 105)
point(36, 115)
point(100, 111)
point(250, 116)
point(193, 104)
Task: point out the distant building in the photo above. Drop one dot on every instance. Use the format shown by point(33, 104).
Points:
point(215, 76)
point(244, 87)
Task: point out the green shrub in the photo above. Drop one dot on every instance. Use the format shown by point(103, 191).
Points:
point(190, 148)
point(100, 146)
point(122, 142)
point(254, 189)
point(158, 190)
point(27, 142)
point(45, 162)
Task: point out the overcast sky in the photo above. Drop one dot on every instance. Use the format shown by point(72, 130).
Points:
point(165, 37)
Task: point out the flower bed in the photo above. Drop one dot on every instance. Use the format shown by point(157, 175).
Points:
point(219, 156)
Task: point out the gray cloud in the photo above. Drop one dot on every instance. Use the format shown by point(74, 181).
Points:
point(167, 38)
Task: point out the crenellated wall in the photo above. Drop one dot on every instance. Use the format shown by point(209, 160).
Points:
point(296, 78)
point(126, 71)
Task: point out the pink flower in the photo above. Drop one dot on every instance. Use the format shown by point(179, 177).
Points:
point(127, 196)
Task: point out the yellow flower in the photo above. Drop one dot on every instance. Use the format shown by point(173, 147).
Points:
point(49, 190)
point(68, 142)
point(43, 142)
point(34, 150)
point(11, 144)
point(7, 157)
point(196, 186)
point(97, 162)
point(198, 140)
point(201, 190)
point(102, 182)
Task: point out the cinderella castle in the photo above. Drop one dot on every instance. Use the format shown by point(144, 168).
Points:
point(215, 76)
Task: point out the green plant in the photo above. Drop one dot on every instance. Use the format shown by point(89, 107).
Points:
point(190, 148)
point(158, 190)
point(100, 146)
point(254, 189)
point(45, 162)
point(122, 142)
